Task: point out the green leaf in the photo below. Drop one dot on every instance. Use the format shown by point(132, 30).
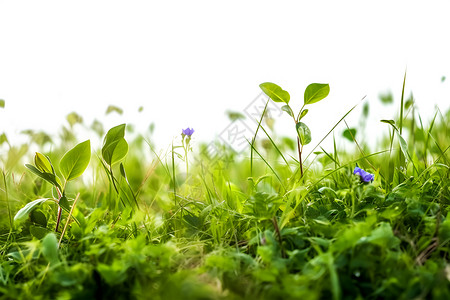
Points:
point(302, 114)
point(409, 102)
point(382, 236)
point(2, 103)
point(50, 248)
point(304, 133)
point(52, 178)
point(75, 161)
point(115, 147)
point(38, 217)
point(365, 111)
point(122, 171)
point(74, 118)
point(390, 122)
point(43, 163)
point(38, 231)
point(316, 92)
point(349, 134)
point(386, 98)
point(3, 138)
point(113, 108)
point(275, 92)
point(233, 115)
point(288, 109)
point(23, 213)
point(64, 203)
point(403, 145)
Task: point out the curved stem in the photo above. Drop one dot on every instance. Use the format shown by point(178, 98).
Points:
point(299, 114)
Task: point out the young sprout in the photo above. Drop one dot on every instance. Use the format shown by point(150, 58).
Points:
point(313, 93)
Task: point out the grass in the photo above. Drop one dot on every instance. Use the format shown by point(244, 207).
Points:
point(235, 226)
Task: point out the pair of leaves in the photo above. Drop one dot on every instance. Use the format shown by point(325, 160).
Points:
point(72, 164)
point(115, 147)
point(289, 111)
point(313, 93)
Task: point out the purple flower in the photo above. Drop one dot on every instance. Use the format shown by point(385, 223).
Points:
point(187, 132)
point(365, 176)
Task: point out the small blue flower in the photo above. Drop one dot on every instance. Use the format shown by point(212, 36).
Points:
point(187, 132)
point(365, 176)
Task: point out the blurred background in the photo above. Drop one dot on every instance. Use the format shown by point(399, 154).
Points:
point(178, 64)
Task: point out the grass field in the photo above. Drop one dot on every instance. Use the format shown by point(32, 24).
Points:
point(128, 221)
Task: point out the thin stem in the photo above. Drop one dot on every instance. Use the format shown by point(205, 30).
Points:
point(173, 177)
point(300, 156)
point(112, 179)
point(68, 219)
point(278, 233)
point(186, 149)
point(299, 114)
point(58, 220)
point(252, 145)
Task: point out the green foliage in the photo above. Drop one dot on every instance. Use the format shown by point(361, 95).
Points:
point(349, 134)
point(304, 133)
point(43, 163)
point(316, 92)
point(23, 213)
point(313, 93)
point(75, 161)
point(386, 98)
point(74, 118)
point(50, 248)
point(224, 230)
point(49, 177)
point(112, 108)
point(115, 147)
point(275, 92)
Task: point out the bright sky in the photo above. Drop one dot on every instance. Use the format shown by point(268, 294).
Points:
point(187, 62)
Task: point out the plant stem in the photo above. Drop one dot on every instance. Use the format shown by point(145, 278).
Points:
point(173, 177)
point(68, 219)
point(278, 233)
point(252, 145)
point(186, 149)
point(58, 220)
point(300, 156)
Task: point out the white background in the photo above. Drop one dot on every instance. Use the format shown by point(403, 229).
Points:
point(187, 62)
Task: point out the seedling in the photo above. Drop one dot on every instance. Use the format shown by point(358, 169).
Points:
point(313, 93)
point(71, 166)
point(114, 150)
